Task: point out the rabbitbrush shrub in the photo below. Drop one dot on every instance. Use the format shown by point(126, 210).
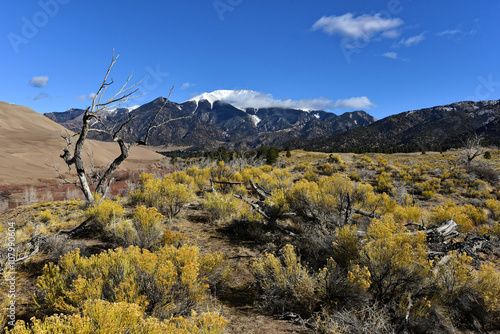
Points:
point(165, 283)
point(167, 195)
point(284, 283)
point(103, 317)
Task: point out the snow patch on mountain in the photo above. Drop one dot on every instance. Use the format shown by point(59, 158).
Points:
point(256, 120)
point(129, 109)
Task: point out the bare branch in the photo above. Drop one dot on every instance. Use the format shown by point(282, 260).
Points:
point(115, 134)
point(270, 221)
point(60, 175)
point(156, 115)
point(261, 193)
point(213, 188)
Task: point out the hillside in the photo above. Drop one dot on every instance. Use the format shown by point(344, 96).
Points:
point(427, 128)
point(29, 141)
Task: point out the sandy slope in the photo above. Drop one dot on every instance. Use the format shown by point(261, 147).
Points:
point(29, 140)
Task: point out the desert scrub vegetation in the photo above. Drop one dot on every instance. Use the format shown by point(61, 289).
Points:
point(340, 241)
point(167, 194)
point(169, 282)
point(100, 317)
point(388, 271)
point(145, 229)
point(105, 212)
point(220, 207)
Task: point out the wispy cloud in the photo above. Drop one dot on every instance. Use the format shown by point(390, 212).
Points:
point(84, 97)
point(449, 33)
point(187, 85)
point(252, 99)
point(414, 40)
point(363, 26)
point(391, 34)
point(41, 96)
point(39, 82)
point(392, 55)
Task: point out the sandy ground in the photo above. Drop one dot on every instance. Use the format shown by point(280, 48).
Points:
point(29, 142)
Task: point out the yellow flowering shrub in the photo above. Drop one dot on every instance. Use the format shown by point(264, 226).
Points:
point(359, 277)
point(335, 158)
point(102, 317)
point(455, 276)
point(346, 250)
point(408, 214)
point(183, 178)
point(494, 206)
point(148, 225)
point(277, 179)
point(220, 207)
point(105, 212)
point(201, 177)
point(45, 216)
point(221, 172)
point(384, 183)
point(397, 260)
point(284, 283)
point(467, 216)
point(166, 282)
point(167, 195)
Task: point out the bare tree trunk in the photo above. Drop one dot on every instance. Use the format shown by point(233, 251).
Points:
point(94, 114)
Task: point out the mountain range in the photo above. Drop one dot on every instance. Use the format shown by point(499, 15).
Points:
point(208, 121)
point(213, 119)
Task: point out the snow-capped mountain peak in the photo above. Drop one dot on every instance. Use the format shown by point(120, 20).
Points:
point(229, 96)
point(243, 99)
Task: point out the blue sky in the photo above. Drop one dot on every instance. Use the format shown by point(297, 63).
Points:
point(382, 56)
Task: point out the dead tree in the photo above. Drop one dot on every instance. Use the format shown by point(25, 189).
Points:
point(93, 121)
point(472, 147)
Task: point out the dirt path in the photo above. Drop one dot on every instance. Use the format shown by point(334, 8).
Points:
point(238, 295)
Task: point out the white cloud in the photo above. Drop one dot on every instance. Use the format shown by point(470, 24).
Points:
point(355, 103)
point(412, 40)
point(39, 82)
point(251, 99)
point(450, 32)
point(392, 55)
point(84, 97)
point(187, 85)
point(364, 26)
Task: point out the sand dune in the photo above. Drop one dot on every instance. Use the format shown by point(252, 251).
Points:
point(29, 141)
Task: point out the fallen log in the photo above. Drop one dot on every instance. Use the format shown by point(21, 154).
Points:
point(269, 220)
point(443, 232)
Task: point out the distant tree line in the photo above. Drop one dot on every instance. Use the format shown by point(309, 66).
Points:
point(269, 154)
point(404, 149)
